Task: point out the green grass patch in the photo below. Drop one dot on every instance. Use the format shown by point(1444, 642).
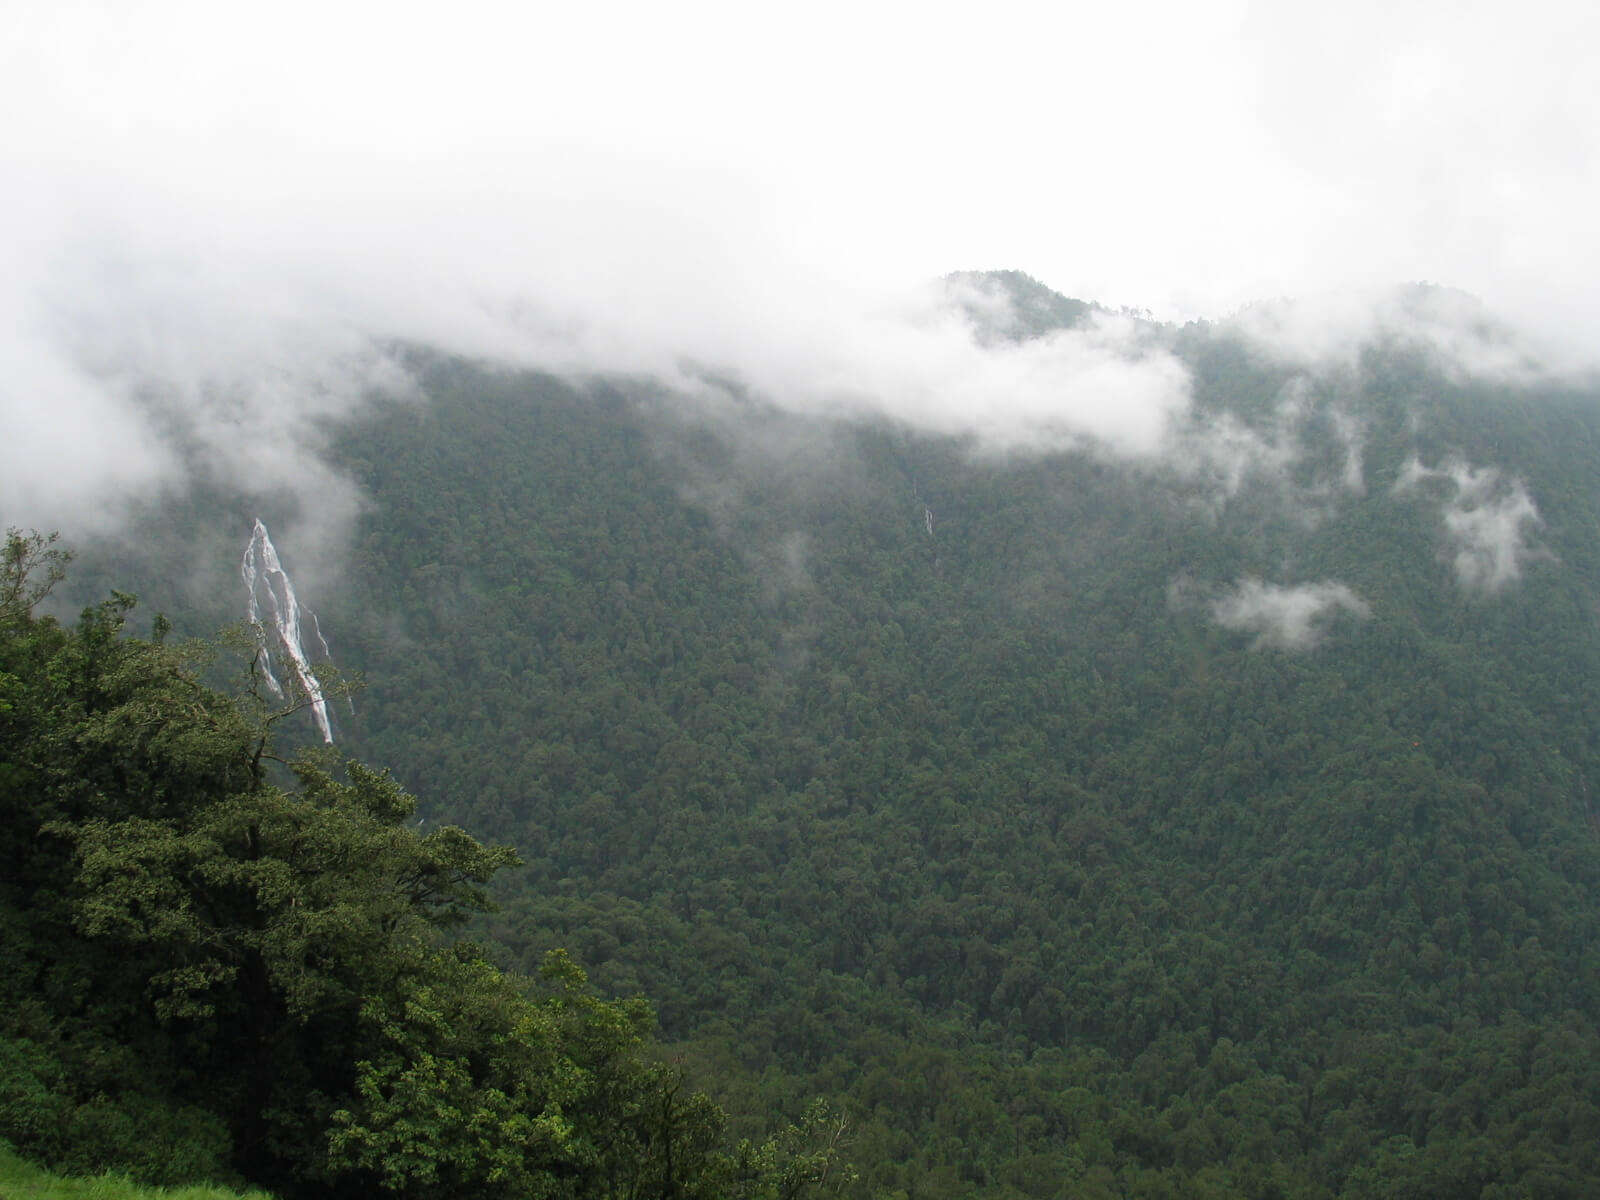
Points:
point(21, 1180)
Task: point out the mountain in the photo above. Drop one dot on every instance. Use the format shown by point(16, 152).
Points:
point(1209, 815)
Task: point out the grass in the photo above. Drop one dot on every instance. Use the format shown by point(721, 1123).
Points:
point(21, 1180)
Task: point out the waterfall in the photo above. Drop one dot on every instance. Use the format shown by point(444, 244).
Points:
point(267, 585)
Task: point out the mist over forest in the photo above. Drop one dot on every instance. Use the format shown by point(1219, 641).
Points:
point(552, 645)
point(1137, 758)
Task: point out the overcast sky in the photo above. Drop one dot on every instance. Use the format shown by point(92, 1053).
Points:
point(207, 192)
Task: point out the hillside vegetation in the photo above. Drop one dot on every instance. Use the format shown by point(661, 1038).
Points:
point(219, 964)
point(1216, 823)
point(21, 1180)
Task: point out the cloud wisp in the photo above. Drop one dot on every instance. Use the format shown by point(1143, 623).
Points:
point(1488, 520)
point(1292, 618)
point(1308, 449)
point(1326, 331)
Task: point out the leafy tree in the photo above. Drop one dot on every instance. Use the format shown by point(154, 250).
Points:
point(269, 951)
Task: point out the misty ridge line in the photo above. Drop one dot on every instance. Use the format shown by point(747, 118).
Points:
point(201, 293)
point(166, 367)
point(157, 372)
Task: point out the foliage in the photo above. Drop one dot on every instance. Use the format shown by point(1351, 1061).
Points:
point(1047, 879)
point(22, 1180)
point(213, 970)
point(994, 837)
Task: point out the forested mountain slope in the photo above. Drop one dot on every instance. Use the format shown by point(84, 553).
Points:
point(1211, 822)
point(221, 965)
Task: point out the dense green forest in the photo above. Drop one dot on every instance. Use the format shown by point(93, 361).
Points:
point(1215, 824)
point(215, 969)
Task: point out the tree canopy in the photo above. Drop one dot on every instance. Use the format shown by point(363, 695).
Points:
point(1215, 824)
point(216, 967)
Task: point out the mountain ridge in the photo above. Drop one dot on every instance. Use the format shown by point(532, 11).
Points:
point(1090, 841)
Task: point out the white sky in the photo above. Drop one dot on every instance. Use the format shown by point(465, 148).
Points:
point(1175, 155)
point(202, 191)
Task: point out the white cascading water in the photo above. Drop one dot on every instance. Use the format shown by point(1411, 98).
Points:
point(264, 576)
point(327, 653)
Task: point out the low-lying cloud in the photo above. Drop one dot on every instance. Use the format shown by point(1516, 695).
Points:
point(213, 219)
point(1326, 332)
point(160, 334)
point(1308, 449)
point(1286, 617)
point(161, 325)
point(1488, 520)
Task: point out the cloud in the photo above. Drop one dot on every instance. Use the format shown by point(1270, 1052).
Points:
point(218, 221)
point(1286, 618)
point(1352, 436)
point(1307, 448)
point(166, 335)
point(1449, 143)
point(1487, 516)
point(1326, 332)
